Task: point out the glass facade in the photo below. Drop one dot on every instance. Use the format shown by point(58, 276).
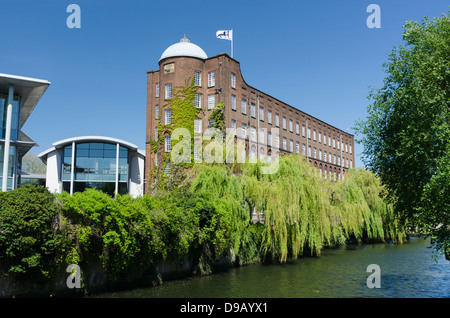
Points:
point(11, 163)
point(15, 116)
point(95, 167)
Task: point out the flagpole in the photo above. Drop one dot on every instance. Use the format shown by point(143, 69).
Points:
point(232, 36)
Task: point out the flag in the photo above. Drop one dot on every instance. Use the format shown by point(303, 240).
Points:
point(225, 34)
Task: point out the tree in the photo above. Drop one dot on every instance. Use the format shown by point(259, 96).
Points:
point(407, 131)
point(32, 164)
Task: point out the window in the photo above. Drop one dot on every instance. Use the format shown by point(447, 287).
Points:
point(334, 143)
point(198, 78)
point(314, 135)
point(277, 120)
point(297, 147)
point(244, 131)
point(325, 173)
point(303, 130)
point(309, 133)
point(320, 154)
point(350, 148)
point(168, 91)
point(252, 110)
point(290, 125)
point(309, 151)
point(244, 106)
point(211, 79)
point(329, 141)
point(261, 135)
point(284, 122)
point(297, 129)
point(291, 145)
point(269, 138)
point(198, 100)
point(277, 141)
point(324, 139)
point(338, 145)
point(320, 137)
point(351, 163)
point(346, 148)
point(269, 116)
point(157, 90)
point(233, 102)
point(168, 116)
point(346, 162)
point(261, 113)
point(284, 143)
point(157, 111)
point(334, 159)
point(233, 126)
point(329, 157)
point(339, 160)
point(315, 153)
point(325, 156)
point(197, 125)
point(168, 144)
point(303, 149)
point(211, 101)
point(252, 133)
point(233, 80)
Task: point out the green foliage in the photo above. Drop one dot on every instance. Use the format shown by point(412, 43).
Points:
point(28, 241)
point(407, 131)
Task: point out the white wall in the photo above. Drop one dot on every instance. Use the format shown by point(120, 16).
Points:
point(53, 182)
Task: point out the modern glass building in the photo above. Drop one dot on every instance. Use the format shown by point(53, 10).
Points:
point(18, 97)
point(107, 164)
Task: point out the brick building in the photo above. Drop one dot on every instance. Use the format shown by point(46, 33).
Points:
point(252, 113)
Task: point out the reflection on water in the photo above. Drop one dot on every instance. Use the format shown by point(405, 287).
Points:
point(407, 270)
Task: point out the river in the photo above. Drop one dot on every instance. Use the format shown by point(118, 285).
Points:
point(409, 270)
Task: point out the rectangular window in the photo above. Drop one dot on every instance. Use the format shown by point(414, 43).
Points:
point(168, 145)
point(277, 120)
point(320, 154)
point(269, 138)
point(198, 78)
point(244, 131)
point(168, 91)
point(351, 163)
point(168, 116)
point(244, 106)
point(329, 141)
point(346, 162)
point(309, 133)
point(350, 148)
point(211, 101)
point(233, 126)
point(157, 111)
point(291, 145)
point(320, 137)
point(277, 141)
point(284, 143)
point(252, 110)
point(253, 133)
point(290, 125)
point(297, 147)
point(233, 102)
point(309, 151)
point(303, 130)
point(198, 100)
point(314, 135)
point(211, 79)
point(334, 159)
point(157, 90)
point(284, 122)
point(334, 143)
point(261, 136)
point(315, 153)
point(325, 156)
point(329, 157)
point(346, 148)
point(303, 149)
point(269, 116)
point(197, 125)
point(261, 113)
point(233, 80)
point(297, 129)
point(324, 139)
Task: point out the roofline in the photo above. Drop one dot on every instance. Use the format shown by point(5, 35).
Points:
point(25, 79)
point(59, 144)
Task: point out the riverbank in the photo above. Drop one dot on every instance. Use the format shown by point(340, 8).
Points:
point(215, 213)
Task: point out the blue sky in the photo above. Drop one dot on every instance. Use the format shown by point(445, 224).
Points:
point(318, 56)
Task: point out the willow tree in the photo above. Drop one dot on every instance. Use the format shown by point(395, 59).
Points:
point(407, 131)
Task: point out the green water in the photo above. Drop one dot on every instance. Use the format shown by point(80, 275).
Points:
point(407, 270)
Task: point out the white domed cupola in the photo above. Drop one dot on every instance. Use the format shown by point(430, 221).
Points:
point(184, 48)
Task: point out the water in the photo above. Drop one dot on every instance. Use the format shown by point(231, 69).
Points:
point(407, 271)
